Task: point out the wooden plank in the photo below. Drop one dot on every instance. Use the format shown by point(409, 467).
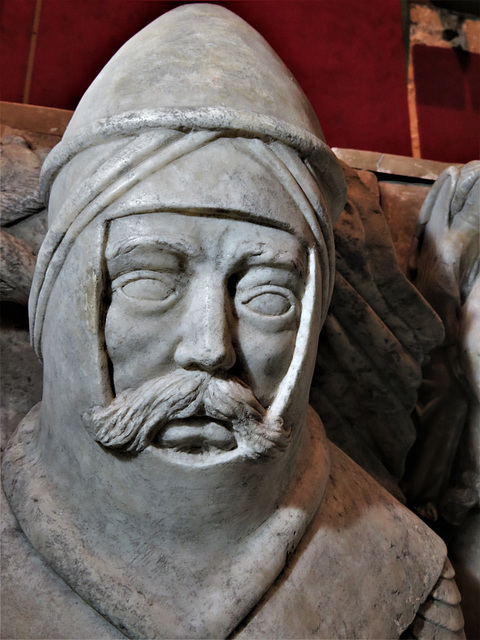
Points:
point(54, 122)
point(392, 164)
point(31, 52)
point(33, 118)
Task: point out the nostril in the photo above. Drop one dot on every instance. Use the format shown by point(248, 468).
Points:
point(213, 361)
point(228, 359)
point(232, 357)
point(204, 359)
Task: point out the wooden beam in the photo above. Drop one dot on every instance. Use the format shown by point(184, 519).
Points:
point(33, 118)
point(31, 51)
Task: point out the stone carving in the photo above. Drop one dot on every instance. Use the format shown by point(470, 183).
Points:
point(446, 479)
point(17, 264)
point(174, 475)
point(377, 322)
point(443, 482)
point(20, 211)
point(21, 158)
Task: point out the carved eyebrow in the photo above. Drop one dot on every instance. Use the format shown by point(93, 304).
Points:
point(122, 248)
point(261, 255)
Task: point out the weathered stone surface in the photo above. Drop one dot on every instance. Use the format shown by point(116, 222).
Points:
point(23, 216)
point(20, 166)
point(465, 551)
point(308, 590)
point(444, 470)
point(20, 371)
point(31, 230)
point(174, 475)
point(401, 204)
point(30, 586)
point(377, 322)
point(17, 264)
point(447, 270)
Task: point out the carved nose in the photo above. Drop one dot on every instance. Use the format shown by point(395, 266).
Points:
point(206, 342)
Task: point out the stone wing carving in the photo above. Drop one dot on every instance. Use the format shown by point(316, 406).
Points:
point(445, 462)
point(375, 340)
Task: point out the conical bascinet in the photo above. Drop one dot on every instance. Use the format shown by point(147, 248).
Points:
point(198, 77)
point(162, 545)
point(200, 67)
point(197, 57)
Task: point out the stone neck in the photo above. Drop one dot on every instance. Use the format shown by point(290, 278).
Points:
point(100, 551)
point(152, 495)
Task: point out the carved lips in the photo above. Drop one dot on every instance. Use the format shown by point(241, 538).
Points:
point(196, 435)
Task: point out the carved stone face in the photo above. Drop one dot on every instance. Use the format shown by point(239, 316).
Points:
point(202, 294)
point(177, 304)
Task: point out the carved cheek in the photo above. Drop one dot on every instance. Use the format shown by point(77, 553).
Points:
point(265, 359)
point(140, 342)
point(268, 315)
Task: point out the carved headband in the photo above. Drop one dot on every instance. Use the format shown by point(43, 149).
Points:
point(128, 163)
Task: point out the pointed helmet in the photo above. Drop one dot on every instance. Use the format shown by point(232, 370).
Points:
point(198, 78)
point(196, 68)
point(200, 107)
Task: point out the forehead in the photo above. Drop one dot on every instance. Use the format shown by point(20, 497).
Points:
point(224, 179)
point(202, 237)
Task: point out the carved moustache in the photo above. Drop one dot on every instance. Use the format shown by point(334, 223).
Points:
point(133, 420)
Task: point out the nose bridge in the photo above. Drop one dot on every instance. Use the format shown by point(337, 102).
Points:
point(206, 341)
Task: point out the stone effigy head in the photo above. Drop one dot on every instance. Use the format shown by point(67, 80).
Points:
point(174, 465)
point(192, 199)
point(177, 304)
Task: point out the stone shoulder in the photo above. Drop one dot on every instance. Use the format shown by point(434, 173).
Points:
point(30, 589)
point(363, 569)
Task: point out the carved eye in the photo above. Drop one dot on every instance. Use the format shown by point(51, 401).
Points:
point(147, 285)
point(269, 304)
point(267, 300)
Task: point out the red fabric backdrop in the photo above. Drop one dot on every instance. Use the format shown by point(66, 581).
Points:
point(447, 84)
point(16, 20)
point(347, 55)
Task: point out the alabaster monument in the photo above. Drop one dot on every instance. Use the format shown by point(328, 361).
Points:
point(174, 481)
